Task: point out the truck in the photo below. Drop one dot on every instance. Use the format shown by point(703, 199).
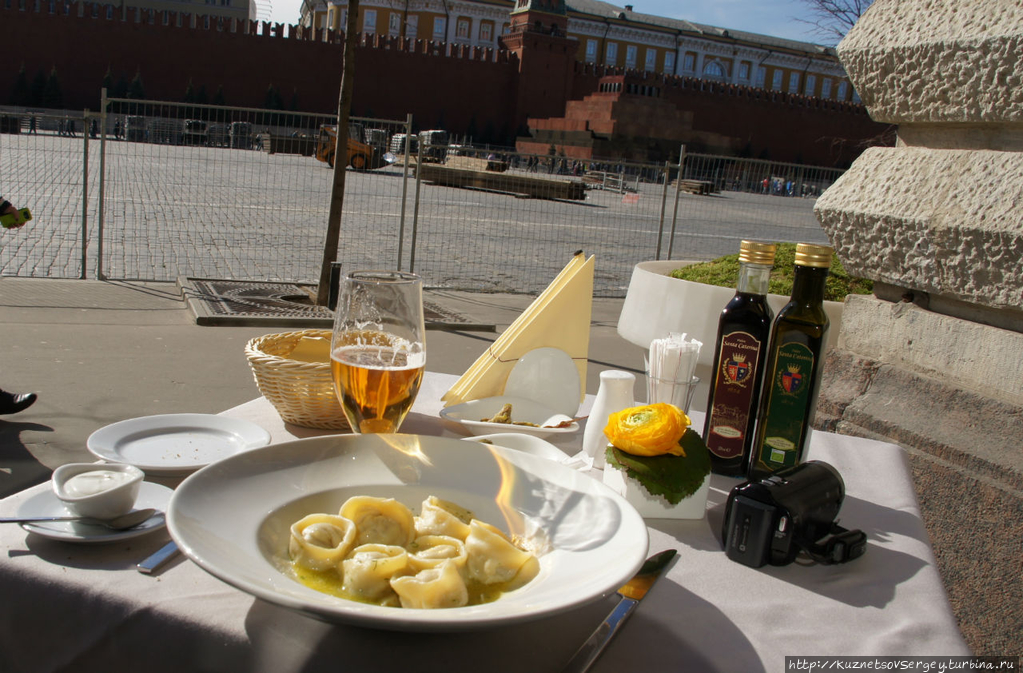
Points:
point(360, 155)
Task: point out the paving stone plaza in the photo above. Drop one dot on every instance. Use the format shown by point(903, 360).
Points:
point(171, 211)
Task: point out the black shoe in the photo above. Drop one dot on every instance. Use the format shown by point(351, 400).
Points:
point(12, 403)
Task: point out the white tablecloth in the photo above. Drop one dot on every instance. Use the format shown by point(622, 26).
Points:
point(67, 607)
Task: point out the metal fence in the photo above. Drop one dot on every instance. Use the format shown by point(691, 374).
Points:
point(151, 190)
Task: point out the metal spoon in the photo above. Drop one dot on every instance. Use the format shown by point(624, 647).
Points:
point(123, 522)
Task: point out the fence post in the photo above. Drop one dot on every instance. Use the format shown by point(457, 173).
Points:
point(102, 180)
point(85, 189)
point(404, 187)
point(674, 215)
point(664, 205)
point(415, 210)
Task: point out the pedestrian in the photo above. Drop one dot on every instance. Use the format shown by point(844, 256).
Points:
point(12, 403)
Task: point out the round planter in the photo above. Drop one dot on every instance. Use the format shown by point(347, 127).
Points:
point(657, 304)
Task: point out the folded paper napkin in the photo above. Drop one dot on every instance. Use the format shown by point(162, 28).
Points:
point(311, 349)
point(558, 318)
point(673, 359)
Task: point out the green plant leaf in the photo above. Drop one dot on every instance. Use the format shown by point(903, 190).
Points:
point(724, 272)
point(672, 477)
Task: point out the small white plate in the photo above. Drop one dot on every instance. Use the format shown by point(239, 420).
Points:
point(524, 443)
point(175, 444)
point(548, 376)
point(468, 414)
point(45, 503)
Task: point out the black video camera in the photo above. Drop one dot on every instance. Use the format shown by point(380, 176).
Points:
point(793, 510)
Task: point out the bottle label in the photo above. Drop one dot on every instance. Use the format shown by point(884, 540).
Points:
point(733, 394)
point(785, 416)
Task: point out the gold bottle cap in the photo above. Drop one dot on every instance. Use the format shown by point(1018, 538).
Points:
point(755, 252)
point(808, 254)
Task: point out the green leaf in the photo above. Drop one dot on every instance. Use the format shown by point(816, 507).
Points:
point(672, 477)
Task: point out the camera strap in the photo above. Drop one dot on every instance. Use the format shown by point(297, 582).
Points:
point(839, 545)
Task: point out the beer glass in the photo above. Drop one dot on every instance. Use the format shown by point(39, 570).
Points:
point(378, 348)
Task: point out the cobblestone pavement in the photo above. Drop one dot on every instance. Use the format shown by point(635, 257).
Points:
point(172, 211)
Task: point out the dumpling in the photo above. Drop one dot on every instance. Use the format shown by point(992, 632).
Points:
point(492, 556)
point(438, 587)
point(429, 551)
point(440, 517)
point(380, 520)
point(366, 573)
point(321, 541)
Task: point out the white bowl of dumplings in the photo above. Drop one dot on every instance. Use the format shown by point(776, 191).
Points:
point(394, 530)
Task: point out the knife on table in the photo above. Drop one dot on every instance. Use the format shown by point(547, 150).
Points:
point(153, 563)
point(632, 593)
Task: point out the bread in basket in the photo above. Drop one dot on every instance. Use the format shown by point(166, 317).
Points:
point(302, 392)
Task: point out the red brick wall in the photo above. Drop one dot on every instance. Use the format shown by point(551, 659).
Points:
point(771, 125)
point(458, 90)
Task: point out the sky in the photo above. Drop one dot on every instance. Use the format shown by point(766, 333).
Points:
point(767, 17)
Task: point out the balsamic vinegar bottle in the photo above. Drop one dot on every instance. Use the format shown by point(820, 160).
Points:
point(793, 372)
point(743, 330)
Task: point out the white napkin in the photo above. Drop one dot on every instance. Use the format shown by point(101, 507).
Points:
point(673, 358)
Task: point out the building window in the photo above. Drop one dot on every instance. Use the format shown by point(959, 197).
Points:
point(630, 56)
point(669, 62)
point(713, 70)
point(591, 51)
point(440, 28)
point(110, 11)
point(843, 86)
point(462, 29)
point(776, 80)
point(794, 82)
point(744, 70)
point(612, 53)
point(826, 87)
point(811, 84)
point(505, 29)
point(761, 77)
point(369, 21)
point(412, 26)
point(486, 32)
point(689, 62)
point(394, 23)
point(651, 60)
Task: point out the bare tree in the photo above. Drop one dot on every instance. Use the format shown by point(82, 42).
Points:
point(830, 20)
point(337, 190)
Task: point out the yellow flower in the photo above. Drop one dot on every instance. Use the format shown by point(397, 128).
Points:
point(651, 430)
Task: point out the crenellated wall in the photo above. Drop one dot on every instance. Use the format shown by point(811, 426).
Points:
point(395, 76)
point(456, 86)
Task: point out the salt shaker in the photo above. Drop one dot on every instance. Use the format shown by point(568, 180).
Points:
point(614, 394)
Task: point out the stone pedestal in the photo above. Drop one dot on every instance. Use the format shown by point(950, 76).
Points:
point(934, 360)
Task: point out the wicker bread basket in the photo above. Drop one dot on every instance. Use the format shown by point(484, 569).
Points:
point(302, 392)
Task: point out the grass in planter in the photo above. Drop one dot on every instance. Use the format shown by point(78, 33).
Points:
point(724, 272)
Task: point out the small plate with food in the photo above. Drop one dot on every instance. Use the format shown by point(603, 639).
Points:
point(503, 413)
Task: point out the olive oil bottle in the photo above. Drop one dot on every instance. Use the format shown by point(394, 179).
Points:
point(739, 351)
point(793, 370)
